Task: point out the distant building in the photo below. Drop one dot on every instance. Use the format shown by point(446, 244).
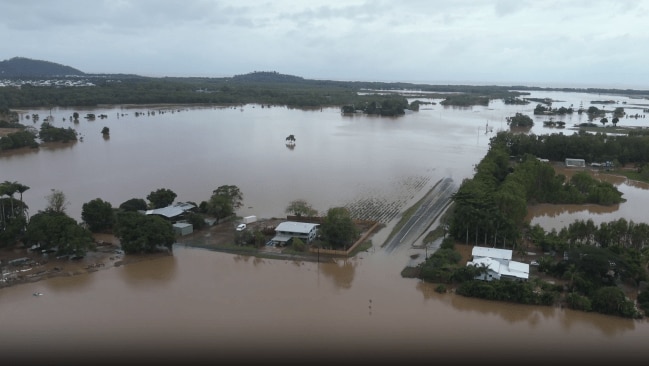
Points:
point(575, 163)
point(499, 264)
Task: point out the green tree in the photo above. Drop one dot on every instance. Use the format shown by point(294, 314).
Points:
point(140, 233)
point(161, 197)
point(223, 202)
point(300, 207)
point(220, 207)
point(56, 201)
point(56, 230)
point(98, 215)
point(338, 228)
point(603, 121)
point(233, 193)
point(611, 300)
point(134, 204)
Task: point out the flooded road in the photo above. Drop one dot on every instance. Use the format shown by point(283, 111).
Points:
point(209, 306)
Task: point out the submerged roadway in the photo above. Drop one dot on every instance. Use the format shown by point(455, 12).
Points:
point(432, 205)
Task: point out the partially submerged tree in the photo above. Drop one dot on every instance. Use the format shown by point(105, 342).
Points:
point(140, 233)
point(56, 201)
point(300, 207)
point(56, 230)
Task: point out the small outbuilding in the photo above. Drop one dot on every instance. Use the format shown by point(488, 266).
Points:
point(183, 228)
point(575, 163)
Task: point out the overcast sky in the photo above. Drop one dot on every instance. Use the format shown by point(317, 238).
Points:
point(570, 43)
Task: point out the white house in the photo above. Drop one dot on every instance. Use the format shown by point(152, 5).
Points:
point(499, 264)
point(288, 230)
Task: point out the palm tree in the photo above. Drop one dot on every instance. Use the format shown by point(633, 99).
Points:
point(21, 188)
point(9, 188)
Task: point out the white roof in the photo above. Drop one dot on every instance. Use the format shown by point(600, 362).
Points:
point(491, 264)
point(519, 267)
point(295, 227)
point(169, 211)
point(515, 269)
point(492, 253)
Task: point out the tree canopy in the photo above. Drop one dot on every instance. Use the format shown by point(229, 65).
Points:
point(338, 228)
point(98, 215)
point(161, 197)
point(140, 233)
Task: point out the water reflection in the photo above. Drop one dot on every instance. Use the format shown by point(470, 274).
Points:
point(71, 283)
point(550, 210)
point(340, 271)
point(158, 272)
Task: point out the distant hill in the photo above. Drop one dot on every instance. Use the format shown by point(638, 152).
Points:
point(25, 67)
point(268, 76)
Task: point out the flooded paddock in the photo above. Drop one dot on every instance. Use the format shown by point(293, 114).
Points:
point(210, 306)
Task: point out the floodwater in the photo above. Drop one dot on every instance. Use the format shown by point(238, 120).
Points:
point(202, 305)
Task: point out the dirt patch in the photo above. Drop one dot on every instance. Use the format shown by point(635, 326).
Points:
point(23, 265)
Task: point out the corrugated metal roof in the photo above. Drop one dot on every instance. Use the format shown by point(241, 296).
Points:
point(295, 227)
point(169, 211)
point(519, 267)
point(490, 263)
point(281, 238)
point(492, 253)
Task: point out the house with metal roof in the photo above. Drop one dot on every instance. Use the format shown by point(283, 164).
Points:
point(498, 264)
point(288, 230)
point(173, 211)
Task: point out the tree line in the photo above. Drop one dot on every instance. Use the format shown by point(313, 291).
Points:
point(52, 230)
point(489, 210)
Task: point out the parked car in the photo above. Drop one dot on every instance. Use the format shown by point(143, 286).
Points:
point(241, 227)
point(534, 263)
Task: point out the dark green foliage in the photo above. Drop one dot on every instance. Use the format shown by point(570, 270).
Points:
point(578, 302)
point(441, 266)
point(632, 148)
point(300, 207)
point(98, 215)
point(49, 133)
point(161, 197)
point(643, 301)
point(611, 300)
point(18, 139)
point(548, 111)
point(56, 230)
point(338, 228)
point(140, 233)
point(510, 291)
point(134, 204)
point(520, 120)
point(197, 220)
point(465, 100)
point(223, 202)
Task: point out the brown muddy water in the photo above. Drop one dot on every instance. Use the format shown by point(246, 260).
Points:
point(199, 305)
